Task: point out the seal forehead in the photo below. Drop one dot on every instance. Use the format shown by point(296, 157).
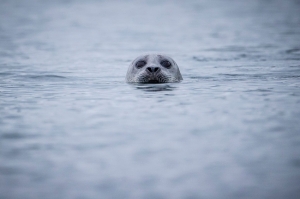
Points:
point(164, 57)
point(152, 58)
point(157, 58)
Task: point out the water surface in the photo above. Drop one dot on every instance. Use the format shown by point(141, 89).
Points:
point(70, 127)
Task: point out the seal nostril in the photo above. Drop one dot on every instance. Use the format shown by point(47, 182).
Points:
point(149, 69)
point(152, 69)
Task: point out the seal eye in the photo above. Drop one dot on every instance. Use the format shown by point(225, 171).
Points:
point(166, 64)
point(140, 64)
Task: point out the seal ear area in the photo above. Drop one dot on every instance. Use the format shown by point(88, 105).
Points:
point(179, 76)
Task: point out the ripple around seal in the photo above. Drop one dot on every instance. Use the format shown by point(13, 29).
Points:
point(155, 87)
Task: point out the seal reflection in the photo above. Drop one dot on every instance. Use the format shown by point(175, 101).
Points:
point(154, 87)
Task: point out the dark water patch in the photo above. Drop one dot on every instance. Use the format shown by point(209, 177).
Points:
point(14, 135)
point(228, 49)
point(292, 59)
point(235, 76)
point(208, 59)
point(245, 76)
point(290, 54)
point(293, 51)
point(236, 49)
point(202, 77)
point(238, 57)
point(288, 76)
point(260, 90)
point(295, 163)
point(14, 66)
point(46, 77)
point(5, 170)
point(41, 77)
point(12, 116)
point(295, 94)
point(295, 66)
point(3, 74)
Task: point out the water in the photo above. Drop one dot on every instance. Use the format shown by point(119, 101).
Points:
point(72, 128)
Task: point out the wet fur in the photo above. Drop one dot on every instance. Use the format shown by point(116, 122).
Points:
point(135, 75)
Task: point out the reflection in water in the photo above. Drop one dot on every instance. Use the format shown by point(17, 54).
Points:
point(155, 87)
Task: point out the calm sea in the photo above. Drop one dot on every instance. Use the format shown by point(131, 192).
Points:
point(72, 128)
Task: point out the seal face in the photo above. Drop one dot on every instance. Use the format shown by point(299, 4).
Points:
point(153, 69)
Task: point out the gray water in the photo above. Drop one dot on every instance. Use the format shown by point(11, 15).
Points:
point(70, 127)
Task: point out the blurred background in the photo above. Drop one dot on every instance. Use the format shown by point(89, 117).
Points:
point(70, 127)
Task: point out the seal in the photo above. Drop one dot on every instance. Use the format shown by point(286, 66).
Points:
point(153, 68)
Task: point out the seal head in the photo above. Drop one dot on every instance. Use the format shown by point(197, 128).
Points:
point(153, 69)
